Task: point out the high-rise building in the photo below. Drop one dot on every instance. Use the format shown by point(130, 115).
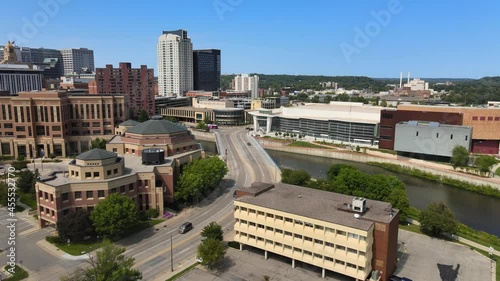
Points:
point(135, 83)
point(245, 82)
point(50, 60)
point(16, 76)
point(206, 69)
point(175, 63)
point(77, 60)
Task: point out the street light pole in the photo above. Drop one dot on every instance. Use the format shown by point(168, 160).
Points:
point(171, 254)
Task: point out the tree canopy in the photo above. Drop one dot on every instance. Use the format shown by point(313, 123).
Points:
point(211, 251)
point(212, 231)
point(109, 264)
point(460, 156)
point(98, 143)
point(74, 226)
point(26, 181)
point(437, 218)
point(143, 116)
point(299, 177)
point(200, 177)
point(485, 162)
point(113, 215)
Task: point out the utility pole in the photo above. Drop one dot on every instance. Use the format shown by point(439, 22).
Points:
point(171, 254)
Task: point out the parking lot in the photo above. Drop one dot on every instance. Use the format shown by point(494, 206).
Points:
point(421, 258)
point(426, 258)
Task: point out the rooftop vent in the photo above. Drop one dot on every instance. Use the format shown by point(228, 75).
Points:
point(359, 204)
point(153, 156)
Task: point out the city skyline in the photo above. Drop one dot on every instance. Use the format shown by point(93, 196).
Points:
point(375, 39)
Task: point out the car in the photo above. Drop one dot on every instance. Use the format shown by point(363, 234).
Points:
point(185, 227)
point(234, 194)
point(395, 278)
point(249, 144)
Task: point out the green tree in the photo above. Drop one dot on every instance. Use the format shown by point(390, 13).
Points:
point(485, 162)
point(335, 169)
point(299, 177)
point(399, 200)
point(211, 251)
point(460, 156)
point(4, 194)
point(115, 214)
point(109, 264)
point(200, 177)
point(212, 231)
point(74, 226)
point(19, 164)
point(26, 181)
point(143, 116)
point(437, 218)
point(383, 103)
point(98, 143)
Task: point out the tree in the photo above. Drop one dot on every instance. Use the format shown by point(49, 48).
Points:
point(4, 194)
point(98, 143)
point(115, 214)
point(109, 264)
point(399, 200)
point(211, 251)
point(19, 164)
point(143, 116)
point(383, 103)
point(212, 231)
point(335, 169)
point(437, 218)
point(460, 156)
point(485, 162)
point(299, 177)
point(202, 176)
point(26, 181)
point(74, 226)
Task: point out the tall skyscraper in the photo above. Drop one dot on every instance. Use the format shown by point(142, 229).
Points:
point(135, 83)
point(206, 69)
point(175, 63)
point(245, 82)
point(77, 61)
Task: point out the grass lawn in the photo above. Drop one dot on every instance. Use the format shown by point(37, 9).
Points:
point(306, 144)
point(19, 209)
point(182, 272)
point(76, 249)
point(411, 227)
point(28, 199)
point(20, 274)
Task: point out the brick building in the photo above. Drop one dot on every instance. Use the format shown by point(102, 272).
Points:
point(485, 123)
point(56, 122)
point(345, 234)
point(142, 164)
point(135, 83)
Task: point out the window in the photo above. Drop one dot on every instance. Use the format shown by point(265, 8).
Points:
point(361, 268)
point(490, 118)
point(351, 265)
point(278, 231)
point(340, 262)
point(90, 194)
point(437, 135)
point(308, 253)
point(319, 227)
point(269, 242)
point(317, 241)
point(64, 196)
point(260, 226)
point(386, 116)
point(416, 134)
point(100, 193)
point(131, 187)
point(243, 209)
point(352, 251)
point(308, 224)
point(270, 216)
point(299, 222)
point(260, 239)
point(88, 174)
point(482, 118)
point(474, 118)
point(497, 118)
point(78, 195)
point(361, 253)
point(251, 223)
point(330, 230)
point(96, 174)
point(329, 244)
point(340, 232)
point(298, 236)
point(308, 239)
point(277, 244)
point(251, 211)
point(297, 250)
point(108, 172)
point(287, 233)
point(288, 220)
point(318, 256)
point(122, 189)
point(260, 213)
point(339, 247)
point(466, 138)
point(328, 259)
point(288, 247)
point(269, 228)
point(353, 235)
point(115, 171)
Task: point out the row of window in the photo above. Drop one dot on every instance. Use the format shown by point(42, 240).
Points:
point(483, 118)
point(299, 250)
point(100, 193)
point(306, 238)
point(296, 222)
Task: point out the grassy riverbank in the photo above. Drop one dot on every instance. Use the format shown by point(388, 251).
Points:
point(482, 189)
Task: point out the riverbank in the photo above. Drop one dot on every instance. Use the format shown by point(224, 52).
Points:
point(378, 157)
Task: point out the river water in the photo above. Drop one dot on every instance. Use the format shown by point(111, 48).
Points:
point(475, 210)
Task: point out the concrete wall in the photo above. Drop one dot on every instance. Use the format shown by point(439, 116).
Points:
point(430, 140)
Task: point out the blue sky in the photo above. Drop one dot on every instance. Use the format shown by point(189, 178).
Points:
point(445, 38)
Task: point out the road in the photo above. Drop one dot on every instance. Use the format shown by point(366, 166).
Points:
point(151, 248)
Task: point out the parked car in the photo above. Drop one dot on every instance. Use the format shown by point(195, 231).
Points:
point(249, 144)
point(185, 227)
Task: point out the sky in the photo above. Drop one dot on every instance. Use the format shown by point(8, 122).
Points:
point(375, 38)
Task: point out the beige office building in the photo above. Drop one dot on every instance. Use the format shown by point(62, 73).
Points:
point(345, 234)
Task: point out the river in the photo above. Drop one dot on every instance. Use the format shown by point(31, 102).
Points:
point(475, 210)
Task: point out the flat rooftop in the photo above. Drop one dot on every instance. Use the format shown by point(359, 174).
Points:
point(316, 204)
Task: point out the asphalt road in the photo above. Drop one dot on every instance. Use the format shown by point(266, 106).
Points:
point(151, 248)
